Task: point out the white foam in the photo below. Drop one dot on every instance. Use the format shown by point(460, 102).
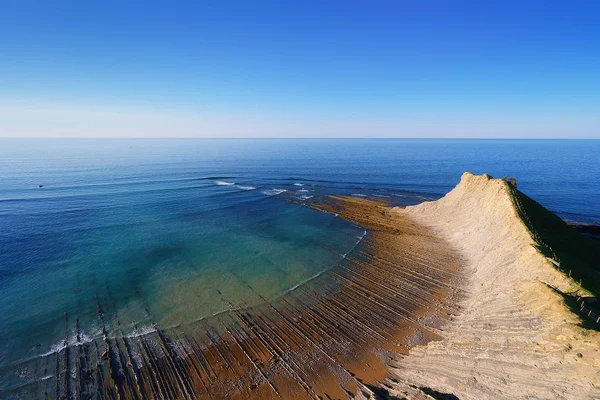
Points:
point(359, 195)
point(298, 184)
point(302, 190)
point(181, 347)
point(327, 212)
point(241, 187)
point(142, 331)
point(55, 348)
point(306, 197)
point(360, 238)
point(273, 192)
point(308, 280)
point(63, 344)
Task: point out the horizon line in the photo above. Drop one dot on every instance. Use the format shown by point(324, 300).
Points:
point(293, 138)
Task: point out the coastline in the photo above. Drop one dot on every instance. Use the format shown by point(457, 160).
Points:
point(332, 336)
point(516, 336)
point(450, 299)
point(435, 262)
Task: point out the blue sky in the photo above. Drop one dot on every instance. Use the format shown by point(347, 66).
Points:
point(300, 69)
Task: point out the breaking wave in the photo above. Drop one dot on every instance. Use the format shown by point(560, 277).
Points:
point(224, 183)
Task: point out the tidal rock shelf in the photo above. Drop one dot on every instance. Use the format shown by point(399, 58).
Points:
point(330, 337)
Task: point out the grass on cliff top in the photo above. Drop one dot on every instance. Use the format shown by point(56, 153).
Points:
point(556, 239)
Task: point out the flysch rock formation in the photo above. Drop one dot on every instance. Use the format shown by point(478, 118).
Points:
point(515, 337)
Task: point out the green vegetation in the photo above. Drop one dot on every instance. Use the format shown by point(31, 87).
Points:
point(575, 307)
point(578, 255)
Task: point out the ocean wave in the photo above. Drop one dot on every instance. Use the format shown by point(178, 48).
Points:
point(241, 187)
point(302, 190)
point(212, 178)
point(273, 192)
point(73, 341)
point(298, 184)
point(224, 183)
point(360, 238)
point(306, 197)
point(358, 194)
point(142, 331)
point(129, 182)
point(308, 279)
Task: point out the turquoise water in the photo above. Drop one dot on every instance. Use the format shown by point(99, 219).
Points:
point(174, 231)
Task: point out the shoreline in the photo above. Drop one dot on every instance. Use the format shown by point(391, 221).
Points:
point(445, 298)
point(451, 298)
point(332, 336)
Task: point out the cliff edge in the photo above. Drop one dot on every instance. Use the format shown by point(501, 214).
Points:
point(517, 335)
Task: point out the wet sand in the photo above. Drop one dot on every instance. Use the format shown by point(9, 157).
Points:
point(328, 338)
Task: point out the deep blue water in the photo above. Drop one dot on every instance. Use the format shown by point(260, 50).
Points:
point(156, 227)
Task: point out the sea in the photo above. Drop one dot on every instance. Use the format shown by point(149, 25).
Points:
point(170, 232)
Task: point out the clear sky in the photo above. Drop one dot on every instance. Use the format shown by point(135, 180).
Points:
point(280, 68)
